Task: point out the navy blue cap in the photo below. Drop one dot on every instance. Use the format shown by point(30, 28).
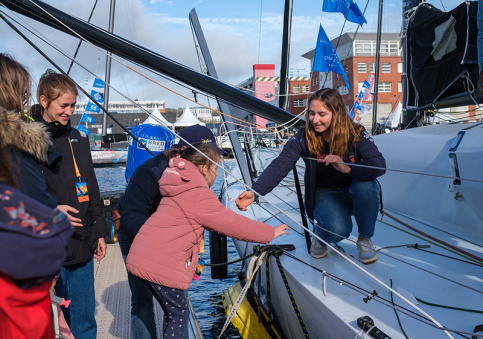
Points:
point(198, 133)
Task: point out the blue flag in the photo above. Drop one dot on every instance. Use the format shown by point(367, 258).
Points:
point(91, 107)
point(83, 129)
point(98, 83)
point(87, 118)
point(360, 95)
point(357, 106)
point(348, 8)
point(98, 96)
point(351, 114)
point(325, 57)
point(366, 84)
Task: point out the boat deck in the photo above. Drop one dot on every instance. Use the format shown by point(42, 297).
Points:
point(113, 297)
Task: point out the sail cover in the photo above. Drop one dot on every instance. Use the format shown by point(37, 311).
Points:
point(442, 54)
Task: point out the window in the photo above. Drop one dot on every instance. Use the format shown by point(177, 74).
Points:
point(305, 88)
point(298, 103)
point(361, 67)
point(399, 67)
point(389, 48)
point(359, 87)
point(384, 87)
point(365, 48)
point(386, 67)
point(399, 87)
point(296, 89)
point(372, 68)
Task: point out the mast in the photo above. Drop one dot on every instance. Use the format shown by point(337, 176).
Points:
point(287, 27)
point(108, 71)
point(378, 61)
point(407, 118)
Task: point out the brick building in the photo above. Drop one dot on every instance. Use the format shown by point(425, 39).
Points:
point(358, 57)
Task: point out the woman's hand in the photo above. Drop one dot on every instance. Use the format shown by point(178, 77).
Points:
point(338, 163)
point(281, 229)
point(66, 209)
point(244, 200)
point(101, 249)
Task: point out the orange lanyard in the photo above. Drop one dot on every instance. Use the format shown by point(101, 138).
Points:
point(77, 173)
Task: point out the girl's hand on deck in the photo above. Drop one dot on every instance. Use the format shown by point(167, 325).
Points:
point(281, 229)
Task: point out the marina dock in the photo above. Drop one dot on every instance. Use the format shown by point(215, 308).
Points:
point(113, 297)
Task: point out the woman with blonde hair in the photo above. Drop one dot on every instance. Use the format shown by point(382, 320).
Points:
point(334, 190)
point(28, 144)
point(74, 186)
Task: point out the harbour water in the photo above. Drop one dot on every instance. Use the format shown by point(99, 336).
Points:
point(206, 293)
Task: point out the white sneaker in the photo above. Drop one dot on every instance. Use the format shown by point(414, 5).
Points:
point(318, 249)
point(367, 251)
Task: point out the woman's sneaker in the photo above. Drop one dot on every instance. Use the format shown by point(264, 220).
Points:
point(318, 249)
point(367, 251)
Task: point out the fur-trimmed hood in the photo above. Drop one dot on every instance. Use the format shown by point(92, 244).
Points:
point(31, 138)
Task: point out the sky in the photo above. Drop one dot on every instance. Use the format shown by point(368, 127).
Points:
point(239, 35)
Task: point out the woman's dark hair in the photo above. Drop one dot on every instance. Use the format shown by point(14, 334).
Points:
point(193, 155)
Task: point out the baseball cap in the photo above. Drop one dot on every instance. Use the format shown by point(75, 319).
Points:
point(198, 133)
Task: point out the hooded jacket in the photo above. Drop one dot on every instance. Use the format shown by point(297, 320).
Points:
point(165, 251)
point(362, 152)
point(83, 243)
point(29, 146)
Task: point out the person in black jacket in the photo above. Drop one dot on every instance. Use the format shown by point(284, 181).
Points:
point(75, 188)
point(141, 199)
point(334, 190)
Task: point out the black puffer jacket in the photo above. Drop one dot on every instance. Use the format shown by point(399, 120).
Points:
point(83, 243)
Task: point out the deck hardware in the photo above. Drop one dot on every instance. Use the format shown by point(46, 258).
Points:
point(370, 296)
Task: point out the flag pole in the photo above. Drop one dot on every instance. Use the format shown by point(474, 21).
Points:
point(378, 60)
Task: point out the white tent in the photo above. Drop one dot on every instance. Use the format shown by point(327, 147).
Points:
point(155, 118)
point(187, 119)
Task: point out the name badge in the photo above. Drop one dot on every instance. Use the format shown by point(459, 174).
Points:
point(81, 189)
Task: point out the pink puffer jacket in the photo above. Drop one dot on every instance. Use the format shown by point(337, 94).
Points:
point(165, 251)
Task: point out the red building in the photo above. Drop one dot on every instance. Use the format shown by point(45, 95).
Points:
point(357, 54)
point(265, 86)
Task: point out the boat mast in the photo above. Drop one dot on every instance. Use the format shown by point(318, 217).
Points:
point(378, 61)
point(287, 27)
point(407, 118)
point(108, 71)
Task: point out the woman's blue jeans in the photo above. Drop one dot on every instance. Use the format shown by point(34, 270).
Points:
point(76, 283)
point(334, 208)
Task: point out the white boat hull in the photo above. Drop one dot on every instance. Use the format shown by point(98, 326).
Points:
point(421, 277)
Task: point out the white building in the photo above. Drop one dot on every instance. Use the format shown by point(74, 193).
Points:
point(127, 106)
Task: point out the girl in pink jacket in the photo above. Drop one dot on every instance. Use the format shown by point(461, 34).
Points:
point(165, 251)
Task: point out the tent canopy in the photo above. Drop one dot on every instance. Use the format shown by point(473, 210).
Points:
point(155, 118)
point(187, 119)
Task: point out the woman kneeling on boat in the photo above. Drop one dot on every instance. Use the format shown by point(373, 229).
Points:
point(329, 143)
